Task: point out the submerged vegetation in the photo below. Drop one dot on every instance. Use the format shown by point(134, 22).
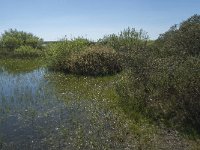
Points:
point(155, 84)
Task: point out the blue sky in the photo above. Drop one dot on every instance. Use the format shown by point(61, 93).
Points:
point(53, 19)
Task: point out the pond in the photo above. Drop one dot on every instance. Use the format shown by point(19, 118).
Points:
point(46, 110)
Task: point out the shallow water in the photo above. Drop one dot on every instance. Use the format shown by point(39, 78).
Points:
point(44, 110)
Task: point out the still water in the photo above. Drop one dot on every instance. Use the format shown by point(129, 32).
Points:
point(44, 110)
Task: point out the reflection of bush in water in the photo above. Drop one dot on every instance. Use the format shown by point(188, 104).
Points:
point(20, 65)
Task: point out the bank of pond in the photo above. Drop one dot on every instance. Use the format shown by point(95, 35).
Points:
point(42, 109)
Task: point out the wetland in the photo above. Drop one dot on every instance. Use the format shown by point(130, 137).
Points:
point(40, 109)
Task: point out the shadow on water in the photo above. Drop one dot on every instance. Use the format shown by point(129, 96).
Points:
point(43, 110)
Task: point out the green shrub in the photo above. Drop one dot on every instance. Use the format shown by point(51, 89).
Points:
point(14, 43)
point(27, 51)
point(127, 40)
point(13, 39)
point(166, 90)
point(58, 54)
point(96, 60)
point(128, 43)
point(174, 90)
point(80, 57)
point(164, 83)
point(182, 39)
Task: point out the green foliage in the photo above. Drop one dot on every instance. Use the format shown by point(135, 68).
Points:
point(182, 39)
point(14, 41)
point(174, 89)
point(166, 89)
point(163, 82)
point(58, 54)
point(127, 40)
point(128, 43)
point(80, 57)
point(96, 60)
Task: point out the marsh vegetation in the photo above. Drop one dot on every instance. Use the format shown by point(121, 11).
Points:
point(124, 91)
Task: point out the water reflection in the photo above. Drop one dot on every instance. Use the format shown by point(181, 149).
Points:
point(27, 109)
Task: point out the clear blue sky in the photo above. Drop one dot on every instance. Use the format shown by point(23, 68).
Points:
point(53, 19)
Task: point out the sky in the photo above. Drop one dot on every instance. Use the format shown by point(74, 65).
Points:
point(55, 19)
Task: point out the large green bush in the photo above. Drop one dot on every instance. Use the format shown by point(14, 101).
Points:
point(166, 89)
point(13, 39)
point(174, 90)
point(58, 54)
point(164, 83)
point(182, 39)
point(96, 60)
point(128, 43)
point(79, 56)
point(127, 40)
point(13, 42)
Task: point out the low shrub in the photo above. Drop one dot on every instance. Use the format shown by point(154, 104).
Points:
point(78, 56)
point(58, 54)
point(96, 60)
